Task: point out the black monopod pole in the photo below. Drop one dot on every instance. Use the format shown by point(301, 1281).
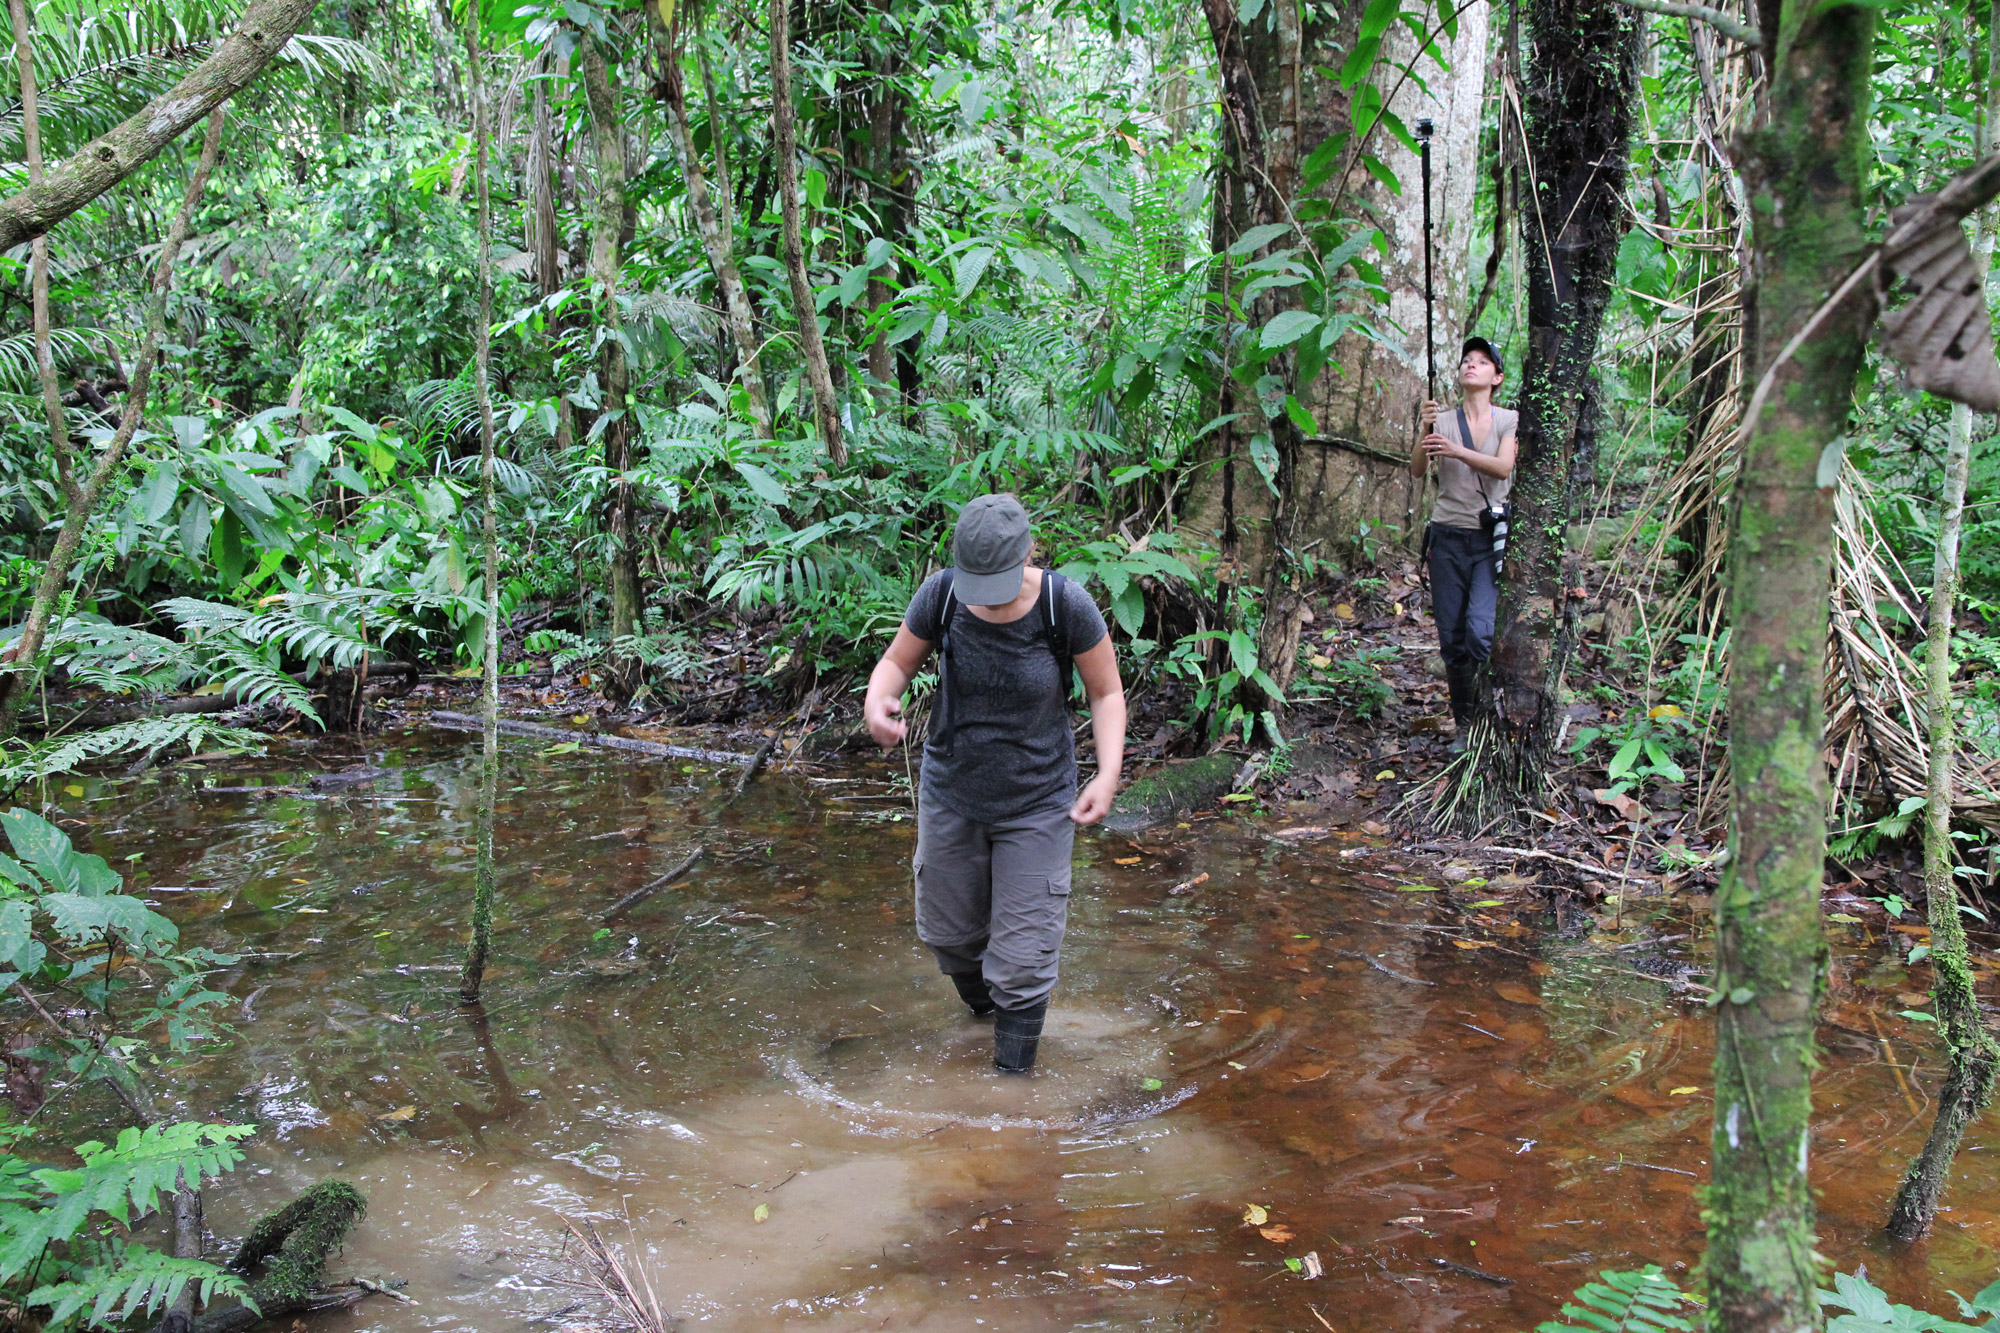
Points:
point(1430, 330)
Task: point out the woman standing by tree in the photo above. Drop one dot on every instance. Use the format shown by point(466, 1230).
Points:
point(998, 806)
point(1473, 451)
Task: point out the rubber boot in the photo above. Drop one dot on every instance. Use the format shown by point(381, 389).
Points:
point(1016, 1034)
point(972, 989)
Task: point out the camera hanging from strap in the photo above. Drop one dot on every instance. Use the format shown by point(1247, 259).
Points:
point(1492, 517)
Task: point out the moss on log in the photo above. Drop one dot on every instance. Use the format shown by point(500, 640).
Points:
point(1194, 785)
point(293, 1245)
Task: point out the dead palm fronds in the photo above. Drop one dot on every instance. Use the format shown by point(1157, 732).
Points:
point(594, 1266)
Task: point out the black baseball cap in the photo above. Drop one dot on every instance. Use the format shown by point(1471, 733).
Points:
point(1478, 344)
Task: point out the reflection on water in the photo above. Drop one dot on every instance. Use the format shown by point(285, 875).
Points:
point(758, 1080)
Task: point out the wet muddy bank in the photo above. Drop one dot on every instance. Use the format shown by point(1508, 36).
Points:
point(759, 1073)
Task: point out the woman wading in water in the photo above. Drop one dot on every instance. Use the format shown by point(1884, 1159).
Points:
point(997, 807)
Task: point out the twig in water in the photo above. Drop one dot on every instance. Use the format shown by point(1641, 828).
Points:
point(640, 895)
point(756, 765)
point(1564, 860)
point(1400, 976)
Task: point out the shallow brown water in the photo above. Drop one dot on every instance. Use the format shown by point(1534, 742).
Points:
point(770, 1034)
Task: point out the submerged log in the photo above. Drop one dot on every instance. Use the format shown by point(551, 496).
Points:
point(292, 1245)
point(467, 722)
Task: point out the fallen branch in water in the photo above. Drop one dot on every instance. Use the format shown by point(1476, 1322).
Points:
point(638, 896)
point(756, 765)
point(1564, 860)
point(599, 1268)
point(467, 722)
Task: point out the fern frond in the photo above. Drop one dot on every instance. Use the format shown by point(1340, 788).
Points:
point(145, 736)
point(1643, 1301)
point(141, 1280)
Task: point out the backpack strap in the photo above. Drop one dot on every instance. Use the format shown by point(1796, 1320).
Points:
point(1055, 627)
point(943, 729)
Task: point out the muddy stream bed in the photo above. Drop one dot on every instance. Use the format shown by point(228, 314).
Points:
point(758, 1082)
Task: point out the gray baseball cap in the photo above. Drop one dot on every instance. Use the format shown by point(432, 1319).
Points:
point(990, 550)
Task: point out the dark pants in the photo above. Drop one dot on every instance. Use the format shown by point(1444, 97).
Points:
point(1463, 600)
point(994, 898)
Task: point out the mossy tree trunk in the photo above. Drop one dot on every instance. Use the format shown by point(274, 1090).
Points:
point(1973, 1056)
point(474, 972)
point(1581, 93)
point(614, 373)
point(1806, 165)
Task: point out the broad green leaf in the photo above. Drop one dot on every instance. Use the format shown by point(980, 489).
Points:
point(762, 482)
point(970, 269)
point(1287, 327)
point(1250, 242)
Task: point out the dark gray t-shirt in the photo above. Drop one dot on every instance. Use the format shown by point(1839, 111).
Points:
point(1013, 753)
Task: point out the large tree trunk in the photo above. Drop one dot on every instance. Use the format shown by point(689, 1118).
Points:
point(785, 146)
point(1582, 87)
point(614, 375)
point(1806, 165)
point(1974, 1057)
point(718, 230)
point(100, 164)
point(1353, 476)
point(81, 493)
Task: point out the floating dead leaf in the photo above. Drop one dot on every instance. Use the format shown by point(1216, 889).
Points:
point(1515, 993)
point(1912, 998)
point(1489, 902)
point(399, 1114)
point(1256, 1215)
point(1188, 885)
point(1277, 1235)
point(1310, 1266)
point(1474, 944)
point(1118, 1282)
point(1374, 828)
point(1304, 831)
point(1126, 860)
point(980, 1225)
point(1681, 1092)
point(1843, 918)
point(760, 1212)
point(1411, 1221)
point(1310, 1073)
point(1385, 775)
point(1540, 968)
point(1419, 888)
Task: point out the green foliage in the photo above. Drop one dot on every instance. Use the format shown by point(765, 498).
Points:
point(1641, 1301)
point(63, 1245)
point(67, 925)
point(1870, 1311)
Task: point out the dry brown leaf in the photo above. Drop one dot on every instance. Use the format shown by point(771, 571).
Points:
point(1474, 944)
point(1515, 993)
point(400, 1113)
point(1310, 1266)
point(1942, 335)
point(1256, 1215)
point(1126, 860)
point(1277, 1235)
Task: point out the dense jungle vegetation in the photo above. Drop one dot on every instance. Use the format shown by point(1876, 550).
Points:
point(651, 350)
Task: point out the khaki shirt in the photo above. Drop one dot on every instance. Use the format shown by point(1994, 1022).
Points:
point(1462, 492)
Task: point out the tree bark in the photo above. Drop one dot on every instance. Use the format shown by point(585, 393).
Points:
point(471, 978)
point(82, 496)
point(718, 232)
point(267, 25)
point(613, 368)
point(1806, 165)
point(1974, 1057)
point(889, 166)
point(1582, 87)
point(785, 146)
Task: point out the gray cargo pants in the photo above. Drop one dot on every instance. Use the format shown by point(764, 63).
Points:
point(994, 898)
